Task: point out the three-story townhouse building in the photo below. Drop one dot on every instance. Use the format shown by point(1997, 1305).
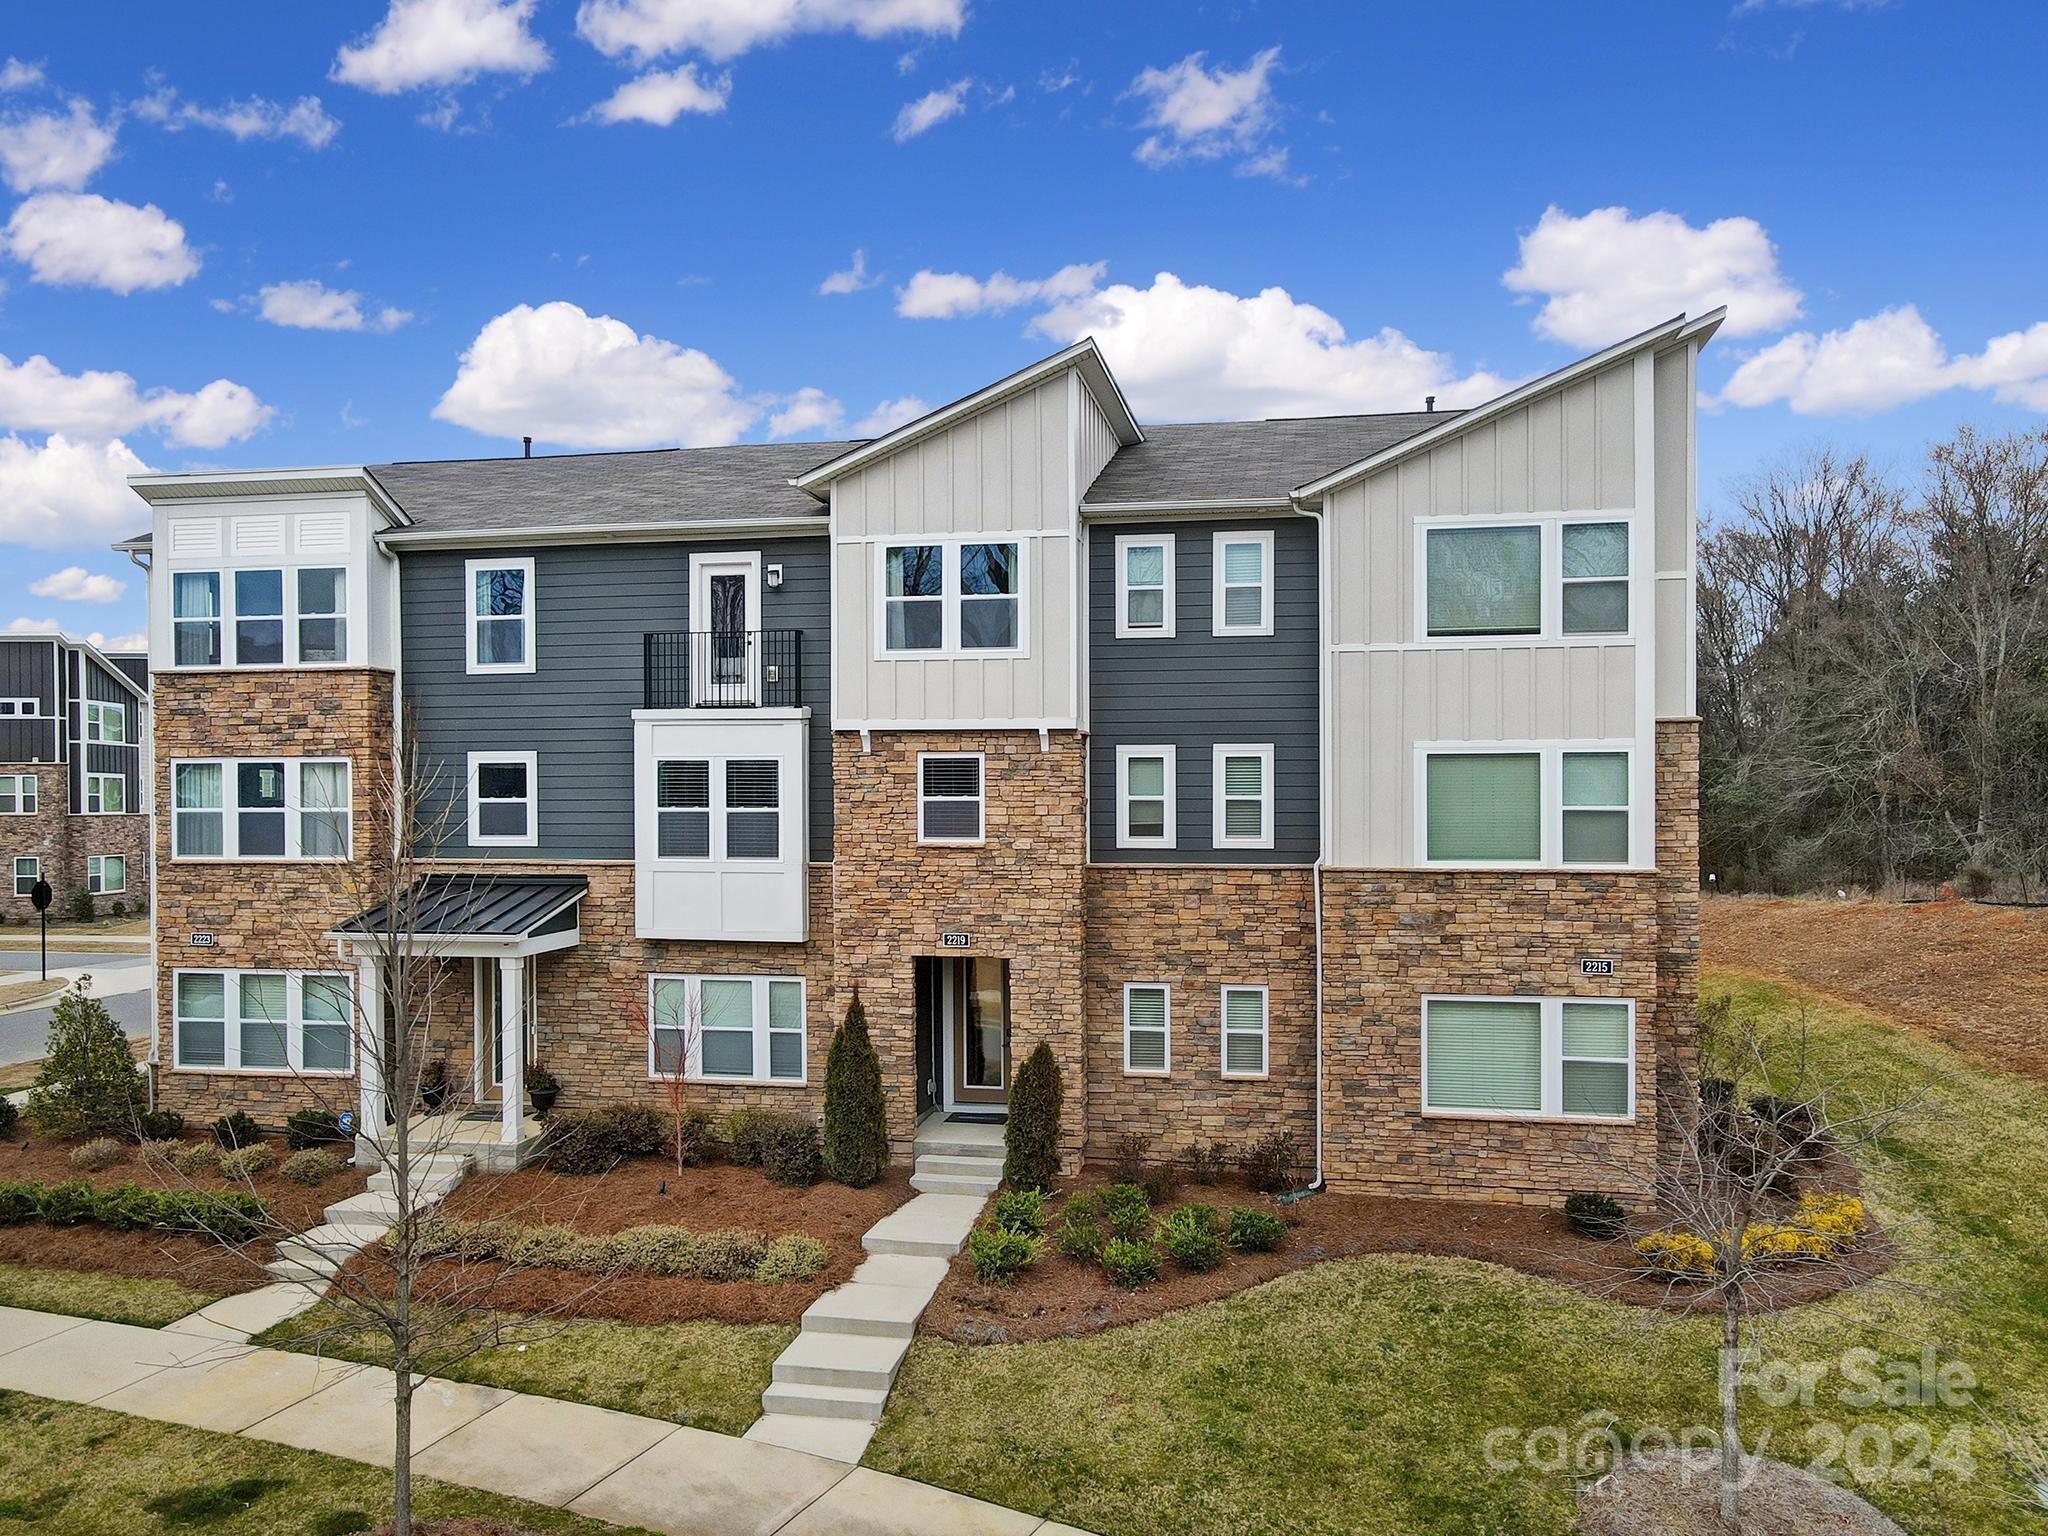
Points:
point(1335, 775)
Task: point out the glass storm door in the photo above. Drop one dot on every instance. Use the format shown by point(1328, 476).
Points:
point(978, 1032)
point(724, 597)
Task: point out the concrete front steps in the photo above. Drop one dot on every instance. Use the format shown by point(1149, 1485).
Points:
point(312, 1257)
point(828, 1388)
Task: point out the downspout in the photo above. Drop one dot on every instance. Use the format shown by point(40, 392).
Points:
point(154, 1061)
point(1322, 795)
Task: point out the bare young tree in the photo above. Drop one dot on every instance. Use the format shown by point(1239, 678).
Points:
point(674, 1029)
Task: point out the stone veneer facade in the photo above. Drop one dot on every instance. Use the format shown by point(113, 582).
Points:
point(63, 842)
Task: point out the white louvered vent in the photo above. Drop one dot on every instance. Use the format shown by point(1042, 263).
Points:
point(258, 536)
point(194, 538)
point(322, 533)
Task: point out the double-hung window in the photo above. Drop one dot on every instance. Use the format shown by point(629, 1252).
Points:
point(1145, 797)
point(1531, 1056)
point(105, 722)
point(17, 794)
point(500, 627)
point(747, 1029)
point(950, 807)
point(958, 597)
point(195, 618)
point(274, 616)
point(1594, 563)
point(718, 808)
point(1242, 810)
point(1244, 1031)
point(106, 874)
point(259, 618)
point(1548, 577)
point(27, 871)
point(1243, 596)
point(1533, 805)
point(1144, 586)
point(263, 1021)
point(1148, 1027)
point(323, 614)
point(504, 799)
point(106, 794)
point(256, 808)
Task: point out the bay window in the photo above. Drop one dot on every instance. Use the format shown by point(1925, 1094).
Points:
point(275, 616)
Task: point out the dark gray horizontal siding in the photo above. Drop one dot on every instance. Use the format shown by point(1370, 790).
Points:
point(1198, 689)
point(593, 603)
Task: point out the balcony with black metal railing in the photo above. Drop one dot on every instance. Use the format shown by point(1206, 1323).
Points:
point(723, 669)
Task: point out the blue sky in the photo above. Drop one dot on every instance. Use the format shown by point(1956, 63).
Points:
point(246, 233)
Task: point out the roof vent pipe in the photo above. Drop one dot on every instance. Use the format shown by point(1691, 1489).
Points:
point(1428, 404)
point(529, 446)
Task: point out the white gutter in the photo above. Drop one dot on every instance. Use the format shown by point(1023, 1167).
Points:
point(609, 533)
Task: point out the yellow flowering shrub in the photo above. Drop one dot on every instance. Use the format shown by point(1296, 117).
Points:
point(1774, 1240)
point(1837, 1217)
point(1676, 1253)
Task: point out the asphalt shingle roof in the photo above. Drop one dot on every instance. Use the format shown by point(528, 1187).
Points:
point(1255, 460)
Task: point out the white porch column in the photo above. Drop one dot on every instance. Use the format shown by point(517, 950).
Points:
point(371, 1077)
point(512, 1047)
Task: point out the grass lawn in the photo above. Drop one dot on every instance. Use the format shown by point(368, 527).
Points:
point(1357, 1396)
point(111, 1298)
point(709, 1375)
point(69, 1470)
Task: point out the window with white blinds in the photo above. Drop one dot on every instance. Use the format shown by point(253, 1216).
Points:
point(1526, 804)
point(682, 808)
point(1242, 812)
point(1243, 596)
point(718, 808)
point(263, 1021)
point(245, 808)
point(727, 1028)
point(1148, 1012)
point(1529, 1056)
point(1244, 1031)
point(950, 807)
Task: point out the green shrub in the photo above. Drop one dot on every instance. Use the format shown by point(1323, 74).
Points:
point(130, 1208)
point(791, 1154)
point(1208, 1162)
point(1031, 1137)
point(196, 1157)
point(1253, 1230)
point(82, 909)
point(1595, 1215)
point(89, 1084)
point(305, 1128)
point(1272, 1164)
point(159, 1125)
point(312, 1165)
point(1128, 1156)
point(1129, 1264)
point(745, 1134)
point(18, 1203)
point(600, 1140)
point(1192, 1236)
point(247, 1162)
point(8, 1116)
point(729, 1255)
point(1081, 1234)
point(856, 1148)
point(1021, 1210)
point(234, 1217)
point(94, 1156)
point(792, 1256)
point(1127, 1212)
point(159, 1156)
point(67, 1205)
point(999, 1254)
point(687, 1135)
point(236, 1130)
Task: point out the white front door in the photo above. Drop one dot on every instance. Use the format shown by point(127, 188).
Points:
point(490, 1033)
point(725, 608)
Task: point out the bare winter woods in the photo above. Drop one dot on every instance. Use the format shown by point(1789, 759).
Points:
point(1873, 672)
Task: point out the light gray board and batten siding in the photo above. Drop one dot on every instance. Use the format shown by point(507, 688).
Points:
point(593, 604)
point(28, 670)
point(1196, 689)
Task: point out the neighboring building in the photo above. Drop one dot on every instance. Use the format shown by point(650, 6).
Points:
point(74, 733)
point(1333, 775)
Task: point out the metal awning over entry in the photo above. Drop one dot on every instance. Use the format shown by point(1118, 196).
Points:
point(475, 913)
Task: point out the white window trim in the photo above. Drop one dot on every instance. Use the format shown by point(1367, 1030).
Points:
point(95, 874)
point(27, 793)
point(95, 787)
point(530, 838)
point(1550, 798)
point(1165, 1069)
point(295, 1020)
point(21, 709)
point(1552, 1015)
point(980, 800)
point(1550, 631)
point(288, 574)
point(1218, 838)
point(35, 864)
point(96, 715)
point(693, 1013)
point(229, 812)
point(716, 809)
point(1264, 538)
point(1225, 1031)
point(529, 616)
point(949, 648)
point(1124, 836)
point(1128, 541)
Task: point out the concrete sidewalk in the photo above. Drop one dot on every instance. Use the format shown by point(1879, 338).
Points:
point(610, 1466)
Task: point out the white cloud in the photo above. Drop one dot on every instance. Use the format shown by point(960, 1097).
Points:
point(854, 279)
point(96, 638)
point(37, 396)
point(2014, 366)
point(930, 110)
point(724, 29)
point(255, 118)
point(83, 238)
point(442, 43)
point(1888, 359)
point(61, 492)
point(1607, 274)
point(809, 412)
point(1053, 81)
point(948, 295)
point(75, 584)
point(1202, 114)
point(889, 415)
point(310, 305)
point(588, 381)
point(15, 75)
point(46, 149)
point(662, 96)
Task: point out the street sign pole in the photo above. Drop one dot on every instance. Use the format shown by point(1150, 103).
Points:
point(39, 898)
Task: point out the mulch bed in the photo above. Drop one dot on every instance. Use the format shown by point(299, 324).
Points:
point(648, 1191)
point(196, 1260)
point(1059, 1297)
point(1678, 1494)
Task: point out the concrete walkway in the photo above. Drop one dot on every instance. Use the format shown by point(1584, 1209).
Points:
point(610, 1466)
